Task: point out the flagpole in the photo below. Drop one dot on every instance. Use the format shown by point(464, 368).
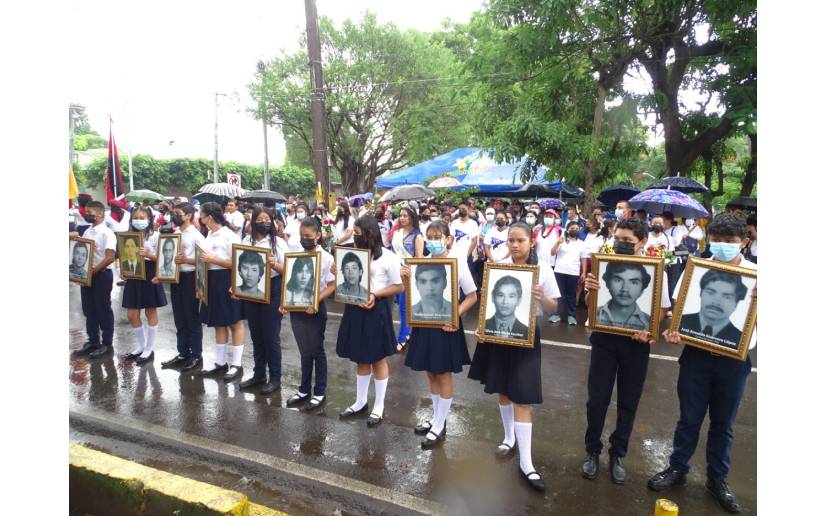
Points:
point(131, 178)
point(112, 156)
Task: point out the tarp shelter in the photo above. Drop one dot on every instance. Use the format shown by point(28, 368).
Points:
point(452, 163)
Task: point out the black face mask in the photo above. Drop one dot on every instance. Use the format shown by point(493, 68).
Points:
point(572, 234)
point(425, 218)
point(308, 243)
point(622, 247)
point(462, 213)
point(360, 241)
point(263, 228)
point(501, 223)
point(177, 220)
point(91, 219)
point(657, 228)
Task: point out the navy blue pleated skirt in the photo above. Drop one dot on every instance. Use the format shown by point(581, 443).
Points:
point(509, 370)
point(366, 336)
point(437, 351)
point(222, 310)
point(141, 293)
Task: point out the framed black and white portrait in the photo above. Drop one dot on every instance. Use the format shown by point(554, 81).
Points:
point(352, 278)
point(432, 292)
point(131, 262)
point(715, 309)
point(629, 296)
point(301, 282)
point(250, 273)
point(201, 276)
point(168, 249)
point(507, 311)
point(81, 257)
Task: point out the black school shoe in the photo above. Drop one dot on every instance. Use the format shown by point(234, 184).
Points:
point(233, 373)
point(374, 420)
point(269, 388)
point(431, 442)
point(87, 348)
point(423, 428)
point(191, 363)
point(296, 399)
point(590, 467)
point(251, 382)
point(720, 490)
point(215, 371)
point(348, 412)
point(617, 472)
point(177, 360)
point(314, 403)
point(536, 483)
point(132, 355)
point(100, 351)
point(667, 479)
point(505, 451)
point(141, 361)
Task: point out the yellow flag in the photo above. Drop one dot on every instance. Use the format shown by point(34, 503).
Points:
point(72, 183)
point(319, 194)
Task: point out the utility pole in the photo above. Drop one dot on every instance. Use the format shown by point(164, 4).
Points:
point(71, 134)
point(316, 81)
point(262, 69)
point(215, 170)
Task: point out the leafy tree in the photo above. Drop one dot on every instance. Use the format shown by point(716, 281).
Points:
point(83, 142)
point(389, 99)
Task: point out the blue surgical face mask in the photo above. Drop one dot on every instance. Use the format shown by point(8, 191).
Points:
point(435, 247)
point(724, 251)
point(619, 213)
point(140, 224)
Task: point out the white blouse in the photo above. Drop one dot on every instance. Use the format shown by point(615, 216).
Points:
point(219, 244)
point(280, 246)
point(189, 239)
point(385, 271)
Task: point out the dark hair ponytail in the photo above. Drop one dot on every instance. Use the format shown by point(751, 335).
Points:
point(215, 211)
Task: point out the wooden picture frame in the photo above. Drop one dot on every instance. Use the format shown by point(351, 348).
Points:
point(291, 282)
point(719, 300)
point(344, 293)
point(256, 263)
point(521, 333)
point(434, 317)
point(82, 274)
point(159, 272)
point(128, 243)
point(615, 307)
point(201, 276)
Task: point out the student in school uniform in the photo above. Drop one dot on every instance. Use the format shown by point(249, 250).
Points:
point(309, 326)
point(144, 294)
point(709, 384)
point(617, 359)
point(366, 335)
point(222, 312)
point(514, 373)
point(96, 299)
point(264, 320)
point(407, 242)
point(441, 352)
point(184, 303)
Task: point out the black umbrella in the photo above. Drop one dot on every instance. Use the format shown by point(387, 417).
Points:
point(263, 196)
point(611, 195)
point(680, 184)
point(746, 203)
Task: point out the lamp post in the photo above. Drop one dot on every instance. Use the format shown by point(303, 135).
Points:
point(262, 69)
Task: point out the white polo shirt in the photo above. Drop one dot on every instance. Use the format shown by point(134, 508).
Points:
point(189, 239)
point(385, 271)
point(219, 243)
point(104, 239)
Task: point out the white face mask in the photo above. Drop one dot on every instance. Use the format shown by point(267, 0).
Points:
point(490, 217)
point(300, 215)
point(690, 223)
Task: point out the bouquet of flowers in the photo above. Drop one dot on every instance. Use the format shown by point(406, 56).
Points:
point(660, 251)
point(607, 249)
point(326, 231)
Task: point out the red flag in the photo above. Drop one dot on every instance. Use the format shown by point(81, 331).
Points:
point(114, 178)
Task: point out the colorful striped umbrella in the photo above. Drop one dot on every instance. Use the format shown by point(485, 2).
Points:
point(657, 201)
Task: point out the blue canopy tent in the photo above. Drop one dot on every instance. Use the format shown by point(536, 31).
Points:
point(448, 163)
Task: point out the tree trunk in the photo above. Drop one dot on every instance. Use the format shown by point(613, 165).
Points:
point(590, 165)
point(749, 180)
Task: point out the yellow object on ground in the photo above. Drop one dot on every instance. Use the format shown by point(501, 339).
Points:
point(665, 507)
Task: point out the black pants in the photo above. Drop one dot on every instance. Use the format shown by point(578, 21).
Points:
point(185, 309)
point(674, 271)
point(567, 287)
point(96, 302)
point(623, 360)
point(309, 334)
point(265, 330)
point(712, 385)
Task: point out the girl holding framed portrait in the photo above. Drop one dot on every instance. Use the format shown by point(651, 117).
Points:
point(514, 373)
point(221, 311)
point(366, 335)
point(144, 294)
point(440, 352)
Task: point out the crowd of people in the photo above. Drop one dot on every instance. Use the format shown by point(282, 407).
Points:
point(559, 242)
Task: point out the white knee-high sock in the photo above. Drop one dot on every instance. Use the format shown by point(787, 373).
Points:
point(151, 332)
point(140, 337)
point(362, 386)
point(441, 415)
point(507, 420)
point(435, 398)
point(524, 436)
point(237, 356)
point(380, 392)
point(220, 354)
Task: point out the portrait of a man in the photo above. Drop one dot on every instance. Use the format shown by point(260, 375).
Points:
point(131, 263)
point(719, 295)
point(430, 285)
point(79, 262)
point(350, 279)
point(168, 250)
point(506, 296)
point(251, 269)
point(626, 282)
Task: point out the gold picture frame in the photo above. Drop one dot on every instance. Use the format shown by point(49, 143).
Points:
point(137, 268)
point(162, 238)
point(201, 276)
point(362, 294)
point(601, 318)
point(289, 288)
point(450, 286)
point(526, 276)
point(689, 325)
point(83, 276)
point(263, 285)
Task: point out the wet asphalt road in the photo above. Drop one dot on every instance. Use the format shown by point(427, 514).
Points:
point(462, 475)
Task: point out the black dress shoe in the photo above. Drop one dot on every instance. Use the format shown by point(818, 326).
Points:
point(234, 373)
point(296, 399)
point(191, 363)
point(140, 360)
point(314, 403)
point(423, 428)
point(251, 382)
point(535, 483)
point(617, 471)
point(374, 420)
point(349, 412)
point(270, 387)
point(590, 468)
point(87, 348)
point(666, 479)
point(132, 355)
point(100, 351)
point(505, 451)
point(178, 359)
point(432, 440)
point(215, 371)
point(720, 490)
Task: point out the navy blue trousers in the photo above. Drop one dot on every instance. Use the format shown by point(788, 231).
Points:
point(309, 334)
point(265, 329)
point(567, 286)
point(619, 359)
point(713, 385)
point(96, 302)
point(185, 309)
